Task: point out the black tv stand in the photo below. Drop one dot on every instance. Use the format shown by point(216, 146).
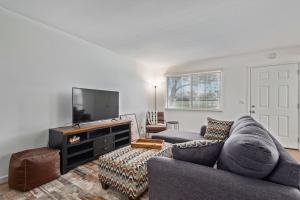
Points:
point(94, 140)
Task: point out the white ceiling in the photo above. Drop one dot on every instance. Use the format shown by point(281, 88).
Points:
point(171, 32)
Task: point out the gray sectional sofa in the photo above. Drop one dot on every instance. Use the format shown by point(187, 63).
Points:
point(233, 180)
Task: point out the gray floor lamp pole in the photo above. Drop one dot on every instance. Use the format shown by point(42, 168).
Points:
point(155, 98)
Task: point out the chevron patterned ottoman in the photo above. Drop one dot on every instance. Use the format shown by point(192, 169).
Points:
point(125, 169)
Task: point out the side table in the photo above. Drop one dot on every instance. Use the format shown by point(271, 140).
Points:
point(173, 125)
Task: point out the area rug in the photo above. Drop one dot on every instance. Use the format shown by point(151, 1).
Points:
point(79, 184)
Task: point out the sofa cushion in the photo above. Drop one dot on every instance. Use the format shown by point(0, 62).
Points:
point(203, 152)
point(249, 151)
point(287, 171)
point(217, 129)
point(175, 136)
point(242, 122)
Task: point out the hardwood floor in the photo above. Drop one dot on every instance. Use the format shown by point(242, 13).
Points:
point(4, 188)
point(295, 154)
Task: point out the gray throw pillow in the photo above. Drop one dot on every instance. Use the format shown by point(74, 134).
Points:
point(202, 152)
point(249, 151)
point(217, 129)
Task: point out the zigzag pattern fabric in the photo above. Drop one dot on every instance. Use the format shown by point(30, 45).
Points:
point(125, 169)
point(152, 117)
point(217, 129)
point(196, 143)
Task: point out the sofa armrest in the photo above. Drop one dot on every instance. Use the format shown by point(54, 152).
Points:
point(203, 130)
point(179, 180)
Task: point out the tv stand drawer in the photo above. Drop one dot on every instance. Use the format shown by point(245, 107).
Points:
point(103, 141)
point(100, 150)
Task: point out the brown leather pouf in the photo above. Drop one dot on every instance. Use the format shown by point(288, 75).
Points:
point(34, 167)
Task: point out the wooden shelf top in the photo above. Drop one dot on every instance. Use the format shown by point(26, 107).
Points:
point(68, 130)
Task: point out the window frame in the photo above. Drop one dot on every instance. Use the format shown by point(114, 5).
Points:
point(221, 85)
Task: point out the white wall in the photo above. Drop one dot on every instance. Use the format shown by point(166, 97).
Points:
point(38, 67)
point(235, 84)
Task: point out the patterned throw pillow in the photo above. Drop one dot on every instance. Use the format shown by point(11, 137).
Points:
point(152, 118)
point(217, 130)
point(202, 152)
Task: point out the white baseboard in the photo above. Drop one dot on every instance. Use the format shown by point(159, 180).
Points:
point(3, 179)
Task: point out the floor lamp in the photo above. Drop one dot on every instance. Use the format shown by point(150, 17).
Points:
point(155, 87)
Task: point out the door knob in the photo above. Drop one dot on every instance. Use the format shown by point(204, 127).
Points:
point(252, 111)
point(253, 106)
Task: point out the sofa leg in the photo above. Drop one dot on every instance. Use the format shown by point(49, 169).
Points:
point(104, 186)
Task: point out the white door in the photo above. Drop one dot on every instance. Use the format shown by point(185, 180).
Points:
point(274, 101)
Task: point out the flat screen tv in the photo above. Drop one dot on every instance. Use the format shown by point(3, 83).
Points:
point(93, 105)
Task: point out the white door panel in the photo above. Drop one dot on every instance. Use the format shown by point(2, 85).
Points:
point(274, 101)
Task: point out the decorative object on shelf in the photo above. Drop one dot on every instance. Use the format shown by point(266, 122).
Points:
point(173, 125)
point(135, 132)
point(74, 139)
point(148, 144)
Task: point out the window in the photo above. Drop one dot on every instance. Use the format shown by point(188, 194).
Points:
point(197, 91)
